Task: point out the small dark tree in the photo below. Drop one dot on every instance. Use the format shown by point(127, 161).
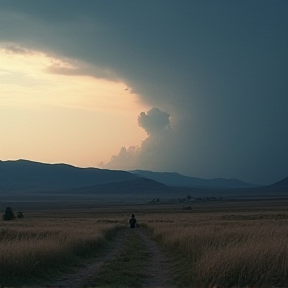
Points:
point(8, 215)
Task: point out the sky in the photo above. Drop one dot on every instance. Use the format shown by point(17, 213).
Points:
point(194, 87)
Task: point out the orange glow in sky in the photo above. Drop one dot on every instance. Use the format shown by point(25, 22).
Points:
point(54, 110)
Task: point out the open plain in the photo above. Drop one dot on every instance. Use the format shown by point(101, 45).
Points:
point(225, 243)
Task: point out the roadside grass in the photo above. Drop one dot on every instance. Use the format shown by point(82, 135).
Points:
point(33, 249)
point(126, 269)
point(220, 251)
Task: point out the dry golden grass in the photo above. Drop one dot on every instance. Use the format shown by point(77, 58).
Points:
point(224, 252)
point(223, 244)
point(32, 246)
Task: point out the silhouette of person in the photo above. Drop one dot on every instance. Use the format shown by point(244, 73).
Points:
point(132, 221)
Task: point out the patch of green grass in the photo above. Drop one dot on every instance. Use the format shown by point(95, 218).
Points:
point(126, 269)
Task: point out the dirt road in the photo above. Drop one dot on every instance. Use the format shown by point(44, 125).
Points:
point(157, 272)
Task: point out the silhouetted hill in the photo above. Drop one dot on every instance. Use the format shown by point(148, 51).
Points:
point(277, 189)
point(141, 188)
point(176, 179)
point(29, 178)
point(28, 175)
point(137, 185)
point(280, 184)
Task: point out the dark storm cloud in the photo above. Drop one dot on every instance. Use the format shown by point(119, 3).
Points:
point(82, 69)
point(154, 121)
point(219, 68)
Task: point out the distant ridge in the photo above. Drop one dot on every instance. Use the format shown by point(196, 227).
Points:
point(29, 175)
point(280, 184)
point(22, 177)
point(176, 179)
point(134, 186)
point(277, 189)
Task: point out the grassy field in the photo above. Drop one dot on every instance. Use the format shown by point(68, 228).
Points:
point(227, 253)
point(232, 244)
point(43, 243)
point(216, 244)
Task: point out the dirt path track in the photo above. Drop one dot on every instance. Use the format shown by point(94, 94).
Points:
point(78, 278)
point(158, 273)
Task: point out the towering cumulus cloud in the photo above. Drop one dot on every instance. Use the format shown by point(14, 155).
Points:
point(156, 123)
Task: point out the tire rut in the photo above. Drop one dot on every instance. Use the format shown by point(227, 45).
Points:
point(79, 278)
point(158, 270)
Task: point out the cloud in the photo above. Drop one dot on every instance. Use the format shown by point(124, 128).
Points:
point(61, 65)
point(153, 150)
point(127, 158)
point(15, 49)
point(154, 121)
point(223, 79)
point(72, 67)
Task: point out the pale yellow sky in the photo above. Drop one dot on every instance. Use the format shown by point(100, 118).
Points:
point(53, 110)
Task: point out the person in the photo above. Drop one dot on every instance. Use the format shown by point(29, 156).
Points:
point(132, 221)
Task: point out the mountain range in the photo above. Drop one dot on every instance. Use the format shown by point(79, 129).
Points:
point(23, 176)
point(176, 179)
point(28, 175)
